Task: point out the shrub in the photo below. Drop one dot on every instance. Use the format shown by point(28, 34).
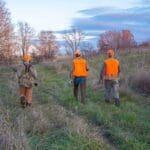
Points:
point(140, 81)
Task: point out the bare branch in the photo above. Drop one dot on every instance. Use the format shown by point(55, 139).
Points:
point(73, 39)
point(48, 46)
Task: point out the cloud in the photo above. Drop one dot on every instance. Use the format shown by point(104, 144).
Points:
point(145, 2)
point(96, 11)
point(102, 19)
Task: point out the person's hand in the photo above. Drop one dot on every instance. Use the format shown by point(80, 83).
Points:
point(100, 81)
point(70, 82)
point(14, 69)
point(36, 84)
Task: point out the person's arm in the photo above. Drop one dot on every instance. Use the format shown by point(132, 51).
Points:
point(34, 75)
point(87, 68)
point(71, 71)
point(20, 72)
point(119, 70)
point(17, 72)
point(33, 72)
point(102, 72)
point(70, 74)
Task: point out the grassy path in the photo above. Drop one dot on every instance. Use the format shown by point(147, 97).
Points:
point(58, 122)
point(46, 125)
point(126, 127)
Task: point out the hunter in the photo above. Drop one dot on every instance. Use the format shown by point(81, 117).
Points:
point(79, 73)
point(26, 79)
point(110, 74)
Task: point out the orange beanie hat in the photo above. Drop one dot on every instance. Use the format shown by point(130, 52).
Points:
point(111, 52)
point(27, 57)
point(77, 52)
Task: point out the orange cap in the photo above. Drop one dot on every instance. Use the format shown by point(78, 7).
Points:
point(27, 57)
point(77, 52)
point(110, 52)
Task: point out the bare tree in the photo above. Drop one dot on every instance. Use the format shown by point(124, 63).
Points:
point(73, 39)
point(6, 33)
point(25, 35)
point(87, 48)
point(67, 49)
point(48, 46)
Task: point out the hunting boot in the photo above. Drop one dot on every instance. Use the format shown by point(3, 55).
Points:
point(117, 102)
point(107, 100)
point(29, 104)
point(23, 101)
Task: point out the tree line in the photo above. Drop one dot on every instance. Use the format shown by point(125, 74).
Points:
point(17, 42)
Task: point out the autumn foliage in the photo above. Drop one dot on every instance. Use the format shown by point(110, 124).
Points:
point(7, 42)
point(116, 40)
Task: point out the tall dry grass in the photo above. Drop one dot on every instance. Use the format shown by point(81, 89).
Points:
point(140, 81)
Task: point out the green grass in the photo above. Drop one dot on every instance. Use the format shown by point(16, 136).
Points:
point(126, 127)
point(39, 127)
point(62, 139)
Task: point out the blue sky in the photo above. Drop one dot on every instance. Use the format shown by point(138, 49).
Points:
point(92, 16)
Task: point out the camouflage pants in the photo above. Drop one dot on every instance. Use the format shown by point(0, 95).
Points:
point(111, 89)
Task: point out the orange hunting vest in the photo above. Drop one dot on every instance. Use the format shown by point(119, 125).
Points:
point(111, 69)
point(79, 67)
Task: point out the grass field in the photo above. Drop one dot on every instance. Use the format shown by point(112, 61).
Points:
point(58, 122)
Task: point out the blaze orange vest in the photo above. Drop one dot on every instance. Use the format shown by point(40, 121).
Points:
point(111, 68)
point(79, 67)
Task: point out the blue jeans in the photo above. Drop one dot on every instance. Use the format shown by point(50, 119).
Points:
point(80, 81)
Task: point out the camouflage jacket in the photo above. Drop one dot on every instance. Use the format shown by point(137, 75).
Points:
point(26, 78)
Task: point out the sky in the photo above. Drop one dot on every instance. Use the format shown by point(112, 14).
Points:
point(91, 16)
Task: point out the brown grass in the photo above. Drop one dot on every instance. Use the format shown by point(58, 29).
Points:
point(140, 81)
